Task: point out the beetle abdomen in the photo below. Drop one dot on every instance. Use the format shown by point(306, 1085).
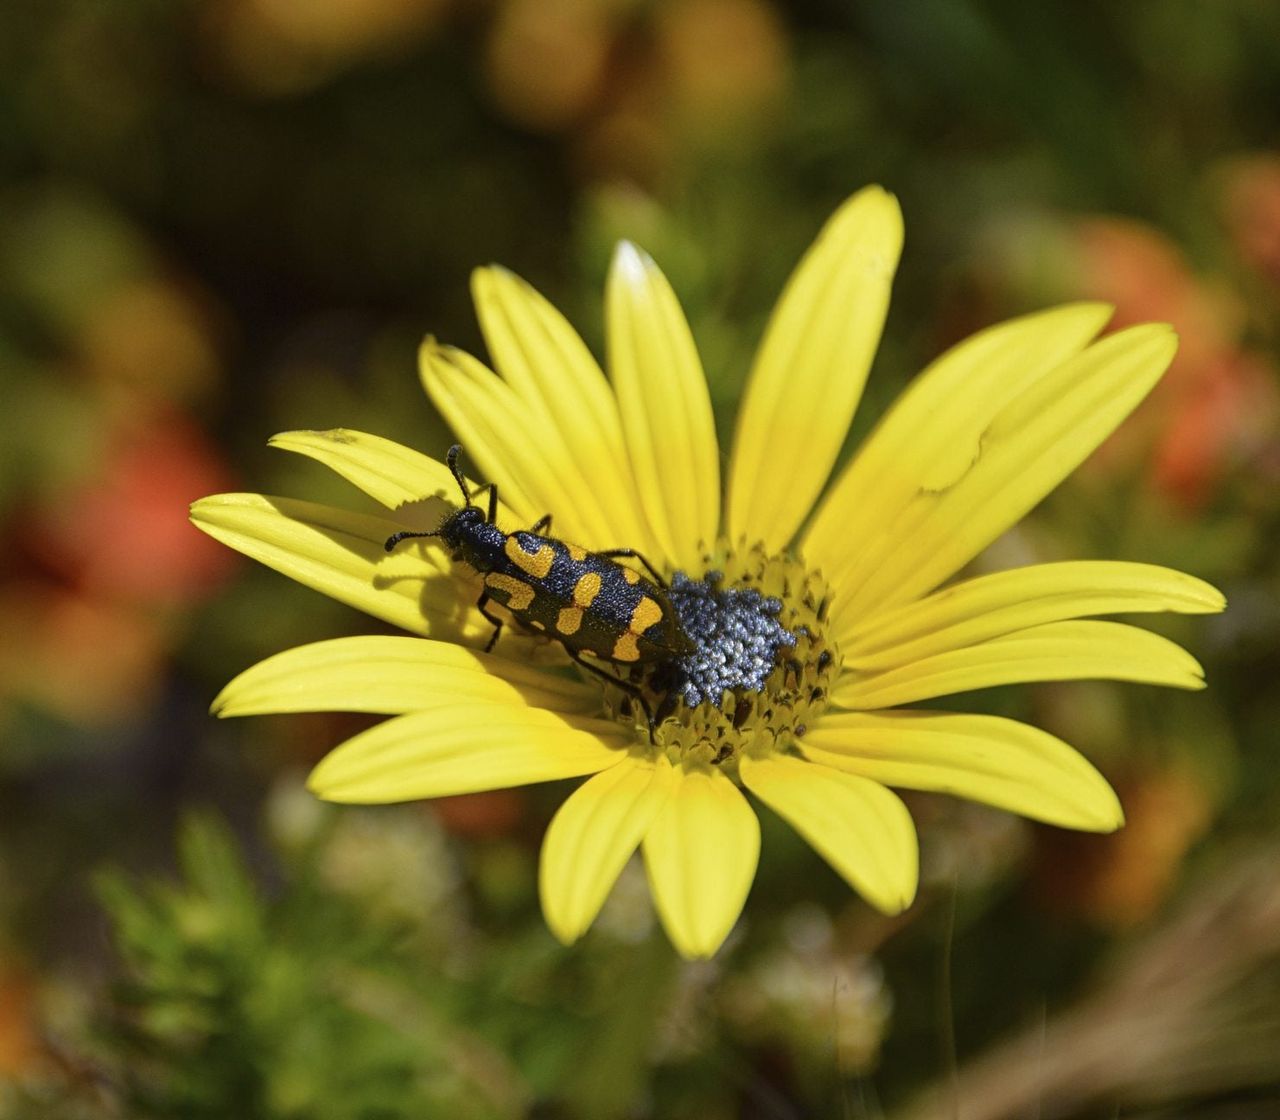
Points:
point(590, 603)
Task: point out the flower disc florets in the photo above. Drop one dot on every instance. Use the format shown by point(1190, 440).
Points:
point(761, 665)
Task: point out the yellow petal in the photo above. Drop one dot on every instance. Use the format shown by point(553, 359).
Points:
point(701, 854)
point(387, 471)
point(342, 555)
point(553, 373)
point(464, 747)
point(390, 676)
point(856, 825)
point(989, 606)
point(810, 369)
point(1022, 452)
point(942, 415)
point(592, 837)
point(666, 410)
point(983, 758)
point(495, 434)
point(1056, 651)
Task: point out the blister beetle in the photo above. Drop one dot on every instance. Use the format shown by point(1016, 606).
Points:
point(586, 601)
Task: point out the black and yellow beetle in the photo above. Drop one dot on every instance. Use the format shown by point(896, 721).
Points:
point(587, 601)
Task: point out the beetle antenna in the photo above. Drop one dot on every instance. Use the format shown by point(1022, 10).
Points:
point(406, 534)
point(451, 461)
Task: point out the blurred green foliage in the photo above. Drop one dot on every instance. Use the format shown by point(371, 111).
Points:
point(219, 1015)
point(224, 218)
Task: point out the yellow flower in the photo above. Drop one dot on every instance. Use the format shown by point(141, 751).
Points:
point(859, 628)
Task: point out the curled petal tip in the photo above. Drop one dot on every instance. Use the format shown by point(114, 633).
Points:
point(630, 260)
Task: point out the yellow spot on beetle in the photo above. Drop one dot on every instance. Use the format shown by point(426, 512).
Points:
point(586, 590)
point(576, 552)
point(537, 563)
point(518, 593)
point(646, 613)
point(625, 648)
point(630, 576)
point(568, 621)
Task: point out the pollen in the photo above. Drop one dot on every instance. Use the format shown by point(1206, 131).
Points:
point(736, 633)
point(761, 666)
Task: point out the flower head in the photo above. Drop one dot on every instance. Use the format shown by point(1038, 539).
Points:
point(816, 608)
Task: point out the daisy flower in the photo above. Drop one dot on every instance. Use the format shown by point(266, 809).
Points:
point(819, 609)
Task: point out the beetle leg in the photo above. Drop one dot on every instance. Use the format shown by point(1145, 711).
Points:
point(492, 487)
point(630, 689)
point(481, 603)
point(493, 503)
point(625, 553)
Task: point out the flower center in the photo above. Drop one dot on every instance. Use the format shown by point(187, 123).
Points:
point(761, 665)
